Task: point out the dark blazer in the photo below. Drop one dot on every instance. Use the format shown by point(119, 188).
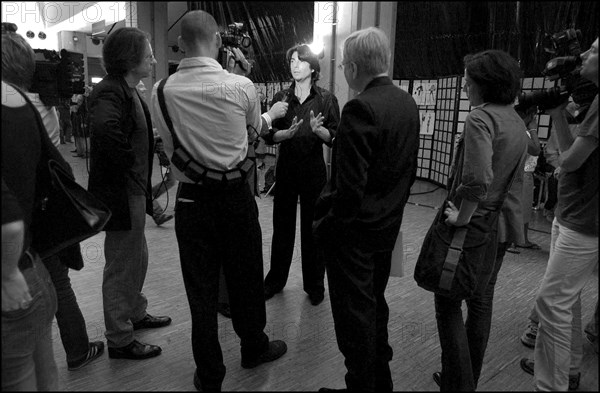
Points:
point(374, 165)
point(111, 122)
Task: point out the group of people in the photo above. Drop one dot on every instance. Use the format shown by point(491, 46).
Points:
point(207, 119)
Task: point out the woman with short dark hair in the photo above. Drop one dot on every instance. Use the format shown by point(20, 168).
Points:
point(491, 149)
point(300, 170)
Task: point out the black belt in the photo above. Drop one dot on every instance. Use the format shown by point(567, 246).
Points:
point(202, 175)
point(26, 261)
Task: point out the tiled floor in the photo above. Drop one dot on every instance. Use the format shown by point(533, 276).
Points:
point(313, 359)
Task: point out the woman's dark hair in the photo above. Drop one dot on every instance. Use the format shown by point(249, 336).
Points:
point(123, 50)
point(497, 75)
point(18, 60)
point(305, 54)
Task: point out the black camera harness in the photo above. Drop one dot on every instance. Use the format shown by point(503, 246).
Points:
point(192, 169)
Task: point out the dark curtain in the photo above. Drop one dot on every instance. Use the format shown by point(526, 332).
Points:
point(433, 37)
point(274, 27)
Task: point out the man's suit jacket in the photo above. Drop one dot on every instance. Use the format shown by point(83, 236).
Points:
point(111, 122)
point(374, 166)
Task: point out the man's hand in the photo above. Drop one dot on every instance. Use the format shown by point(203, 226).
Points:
point(558, 111)
point(237, 63)
point(557, 173)
point(278, 110)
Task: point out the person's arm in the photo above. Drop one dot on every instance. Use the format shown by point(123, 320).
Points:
point(477, 172)
point(356, 136)
point(325, 126)
point(576, 150)
point(563, 135)
point(533, 143)
point(15, 290)
point(106, 113)
point(578, 153)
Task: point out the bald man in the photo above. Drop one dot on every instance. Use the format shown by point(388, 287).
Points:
point(216, 216)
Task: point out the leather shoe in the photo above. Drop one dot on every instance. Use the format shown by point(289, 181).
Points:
point(316, 298)
point(149, 322)
point(270, 292)
point(437, 378)
point(223, 309)
point(136, 351)
point(276, 350)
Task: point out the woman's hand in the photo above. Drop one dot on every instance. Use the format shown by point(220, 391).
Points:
point(15, 292)
point(283, 135)
point(316, 125)
point(452, 215)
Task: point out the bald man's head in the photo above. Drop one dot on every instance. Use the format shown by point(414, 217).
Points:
point(198, 27)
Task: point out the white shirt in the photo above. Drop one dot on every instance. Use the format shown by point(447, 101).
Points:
point(49, 117)
point(209, 108)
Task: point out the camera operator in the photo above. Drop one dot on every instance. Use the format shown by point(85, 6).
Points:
point(216, 216)
point(574, 245)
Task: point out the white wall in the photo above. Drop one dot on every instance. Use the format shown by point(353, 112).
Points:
point(28, 17)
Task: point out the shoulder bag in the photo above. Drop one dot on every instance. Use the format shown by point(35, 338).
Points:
point(65, 212)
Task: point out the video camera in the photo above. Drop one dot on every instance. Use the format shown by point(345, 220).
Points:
point(234, 37)
point(58, 77)
point(564, 69)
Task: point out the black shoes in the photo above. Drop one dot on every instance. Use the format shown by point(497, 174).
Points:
point(528, 365)
point(437, 378)
point(316, 298)
point(223, 309)
point(276, 350)
point(149, 322)
point(96, 349)
point(136, 351)
point(270, 292)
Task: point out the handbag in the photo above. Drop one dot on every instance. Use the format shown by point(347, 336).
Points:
point(67, 215)
point(453, 260)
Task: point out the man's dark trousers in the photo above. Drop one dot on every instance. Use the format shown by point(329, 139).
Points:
point(221, 227)
point(357, 281)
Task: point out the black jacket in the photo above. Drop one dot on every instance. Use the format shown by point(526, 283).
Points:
point(111, 122)
point(374, 165)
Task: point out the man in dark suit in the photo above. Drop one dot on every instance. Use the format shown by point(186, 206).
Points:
point(359, 213)
point(120, 171)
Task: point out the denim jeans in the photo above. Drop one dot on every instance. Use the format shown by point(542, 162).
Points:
point(124, 274)
point(558, 347)
point(220, 228)
point(357, 281)
point(464, 342)
point(27, 353)
point(73, 331)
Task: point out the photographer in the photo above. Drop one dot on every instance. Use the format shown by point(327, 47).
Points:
point(216, 216)
point(574, 245)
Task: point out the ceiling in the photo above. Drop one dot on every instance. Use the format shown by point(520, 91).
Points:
point(80, 16)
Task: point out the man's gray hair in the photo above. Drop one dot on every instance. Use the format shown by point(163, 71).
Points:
point(370, 49)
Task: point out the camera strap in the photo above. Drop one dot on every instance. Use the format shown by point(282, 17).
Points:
point(191, 168)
